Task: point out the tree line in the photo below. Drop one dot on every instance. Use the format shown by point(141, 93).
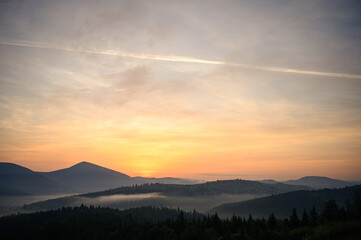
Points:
point(89, 222)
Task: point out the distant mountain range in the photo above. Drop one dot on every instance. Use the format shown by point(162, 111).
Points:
point(80, 178)
point(316, 182)
point(86, 177)
point(96, 185)
point(198, 196)
point(320, 182)
point(281, 205)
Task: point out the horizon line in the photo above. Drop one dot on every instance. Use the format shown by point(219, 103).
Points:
point(227, 175)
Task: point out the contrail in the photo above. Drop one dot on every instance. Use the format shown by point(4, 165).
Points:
point(114, 53)
point(178, 59)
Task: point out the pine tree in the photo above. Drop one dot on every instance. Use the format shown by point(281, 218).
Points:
point(330, 211)
point(305, 218)
point(272, 221)
point(180, 223)
point(313, 217)
point(294, 221)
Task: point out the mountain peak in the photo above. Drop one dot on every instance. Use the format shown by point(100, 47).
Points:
point(87, 167)
point(85, 163)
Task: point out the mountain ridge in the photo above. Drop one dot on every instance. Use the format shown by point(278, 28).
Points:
point(282, 204)
point(12, 168)
point(86, 167)
point(82, 177)
point(86, 177)
point(198, 196)
point(17, 180)
point(320, 182)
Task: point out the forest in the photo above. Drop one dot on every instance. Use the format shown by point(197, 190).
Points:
point(236, 186)
point(281, 204)
point(89, 222)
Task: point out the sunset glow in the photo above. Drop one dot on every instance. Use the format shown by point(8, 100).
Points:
point(178, 89)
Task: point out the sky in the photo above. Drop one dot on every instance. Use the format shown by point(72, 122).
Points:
point(196, 89)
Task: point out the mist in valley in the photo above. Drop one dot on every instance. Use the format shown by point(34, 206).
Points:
point(12, 204)
point(121, 201)
point(199, 203)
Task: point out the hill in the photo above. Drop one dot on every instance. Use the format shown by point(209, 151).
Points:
point(201, 197)
point(90, 223)
point(88, 177)
point(11, 168)
point(269, 181)
point(205, 189)
point(6, 191)
point(162, 223)
point(18, 180)
point(320, 182)
point(81, 178)
point(281, 205)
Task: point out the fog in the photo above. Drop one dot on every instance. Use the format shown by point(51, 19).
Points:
point(13, 203)
point(120, 201)
point(199, 203)
point(122, 198)
point(10, 205)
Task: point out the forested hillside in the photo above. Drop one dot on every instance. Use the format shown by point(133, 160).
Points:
point(282, 204)
point(209, 188)
point(161, 223)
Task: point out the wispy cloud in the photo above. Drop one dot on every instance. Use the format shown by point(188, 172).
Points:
point(172, 58)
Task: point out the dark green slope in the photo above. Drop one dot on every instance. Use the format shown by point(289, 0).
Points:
point(87, 223)
point(173, 224)
point(281, 205)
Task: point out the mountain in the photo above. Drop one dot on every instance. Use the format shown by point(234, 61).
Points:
point(81, 178)
point(18, 180)
point(201, 197)
point(281, 205)
point(320, 182)
point(11, 168)
point(88, 177)
point(204, 189)
point(268, 181)
point(6, 191)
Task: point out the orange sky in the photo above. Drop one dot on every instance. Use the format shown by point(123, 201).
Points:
point(222, 91)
